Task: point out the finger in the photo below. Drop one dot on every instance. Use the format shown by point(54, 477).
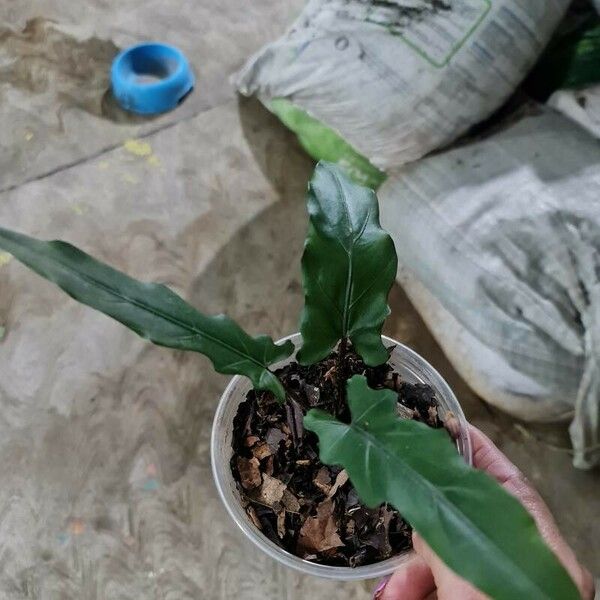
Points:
point(412, 581)
point(449, 585)
point(487, 457)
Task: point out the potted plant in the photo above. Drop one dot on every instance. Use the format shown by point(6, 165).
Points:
point(336, 435)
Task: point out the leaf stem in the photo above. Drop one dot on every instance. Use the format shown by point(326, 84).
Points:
point(293, 413)
point(294, 417)
point(340, 375)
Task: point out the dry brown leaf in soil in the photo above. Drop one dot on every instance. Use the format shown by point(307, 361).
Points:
point(253, 516)
point(251, 440)
point(340, 480)
point(290, 502)
point(320, 533)
point(281, 523)
point(271, 491)
point(268, 469)
point(323, 480)
point(387, 516)
point(274, 436)
point(262, 450)
point(330, 375)
point(432, 411)
point(350, 527)
point(313, 394)
point(405, 412)
point(249, 472)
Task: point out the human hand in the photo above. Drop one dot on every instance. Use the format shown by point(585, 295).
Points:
point(426, 577)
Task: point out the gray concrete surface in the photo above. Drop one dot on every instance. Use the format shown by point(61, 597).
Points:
point(105, 485)
point(54, 61)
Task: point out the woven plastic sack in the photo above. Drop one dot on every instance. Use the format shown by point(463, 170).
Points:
point(582, 106)
point(499, 243)
point(373, 85)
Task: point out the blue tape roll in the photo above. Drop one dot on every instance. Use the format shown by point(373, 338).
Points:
point(151, 78)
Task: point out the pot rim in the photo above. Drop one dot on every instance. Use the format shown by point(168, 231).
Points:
point(230, 496)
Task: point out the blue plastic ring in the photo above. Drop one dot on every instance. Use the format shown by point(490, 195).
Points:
point(151, 78)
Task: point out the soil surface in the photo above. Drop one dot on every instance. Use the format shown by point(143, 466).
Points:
point(308, 508)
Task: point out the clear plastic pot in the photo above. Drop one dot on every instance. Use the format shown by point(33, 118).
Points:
point(412, 368)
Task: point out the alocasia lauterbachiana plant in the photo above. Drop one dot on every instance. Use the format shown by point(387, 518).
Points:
point(349, 263)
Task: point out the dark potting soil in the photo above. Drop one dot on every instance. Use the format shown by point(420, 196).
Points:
point(304, 506)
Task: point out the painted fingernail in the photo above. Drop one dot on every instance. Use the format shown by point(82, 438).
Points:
point(380, 589)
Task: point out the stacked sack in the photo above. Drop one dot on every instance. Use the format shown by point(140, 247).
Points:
point(397, 79)
point(499, 243)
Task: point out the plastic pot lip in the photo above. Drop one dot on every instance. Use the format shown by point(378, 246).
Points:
point(221, 452)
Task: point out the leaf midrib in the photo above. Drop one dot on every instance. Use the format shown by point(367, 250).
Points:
point(349, 253)
point(166, 317)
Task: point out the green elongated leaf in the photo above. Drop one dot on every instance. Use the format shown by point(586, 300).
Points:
point(151, 310)
point(348, 268)
point(477, 528)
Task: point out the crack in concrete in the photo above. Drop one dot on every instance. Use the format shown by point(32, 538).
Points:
point(101, 152)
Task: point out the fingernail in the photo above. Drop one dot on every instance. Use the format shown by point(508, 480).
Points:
point(380, 589)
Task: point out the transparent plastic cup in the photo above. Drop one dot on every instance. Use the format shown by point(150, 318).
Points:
point(412, 368)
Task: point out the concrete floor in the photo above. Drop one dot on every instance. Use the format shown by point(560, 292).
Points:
point(105, 485)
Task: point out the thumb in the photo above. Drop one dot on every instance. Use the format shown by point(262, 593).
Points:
point(449, 585)
point(411, 581)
